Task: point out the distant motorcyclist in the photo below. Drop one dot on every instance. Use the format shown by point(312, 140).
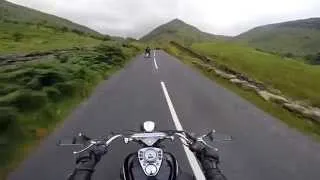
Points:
point(147, 51)
point(208, 158)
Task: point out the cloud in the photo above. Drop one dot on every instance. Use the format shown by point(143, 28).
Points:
point(136, 17)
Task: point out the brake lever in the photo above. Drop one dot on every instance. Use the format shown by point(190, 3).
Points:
point(92, 143)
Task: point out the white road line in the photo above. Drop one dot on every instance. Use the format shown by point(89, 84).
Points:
point(192, 159)
point(155, 63)
point(154, 53)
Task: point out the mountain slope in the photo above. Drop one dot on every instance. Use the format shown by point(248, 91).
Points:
point(300, 37)
point(177, 30)
point(11, 12)
point(24, 30)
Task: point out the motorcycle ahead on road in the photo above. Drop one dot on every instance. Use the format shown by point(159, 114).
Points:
point(147, 55)
point(151, 160)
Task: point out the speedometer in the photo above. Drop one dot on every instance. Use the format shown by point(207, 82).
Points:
point(150, 155)
point(150, 159)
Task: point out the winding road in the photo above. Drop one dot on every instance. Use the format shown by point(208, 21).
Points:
point(164, 90)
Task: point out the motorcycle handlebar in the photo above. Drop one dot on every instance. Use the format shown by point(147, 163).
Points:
point(187, 139)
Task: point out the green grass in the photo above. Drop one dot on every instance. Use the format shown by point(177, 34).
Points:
point(293, 77)
point(35, 97)
point(23, 38)
point(292, 120)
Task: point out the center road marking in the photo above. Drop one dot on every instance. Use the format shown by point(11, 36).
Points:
point(155, 63)
point(192, 159)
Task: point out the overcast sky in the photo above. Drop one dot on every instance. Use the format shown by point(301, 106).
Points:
point(135, 18)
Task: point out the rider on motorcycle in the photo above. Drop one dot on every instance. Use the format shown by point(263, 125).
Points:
point(148, 51)
point(207, 157)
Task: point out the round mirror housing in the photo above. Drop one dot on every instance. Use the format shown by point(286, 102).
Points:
point(149, 126)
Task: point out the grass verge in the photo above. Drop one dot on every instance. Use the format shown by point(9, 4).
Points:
point(292, 120)
point(292, 77)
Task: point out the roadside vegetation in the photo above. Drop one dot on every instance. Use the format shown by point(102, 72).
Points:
point(291, 76)
point(291, 119)
point(34, 97)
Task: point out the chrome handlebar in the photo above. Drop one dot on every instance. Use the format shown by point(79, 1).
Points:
point(185, 137)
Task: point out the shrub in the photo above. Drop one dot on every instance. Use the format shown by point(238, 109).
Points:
point(289, 55)
point(8, 88)
point(77, 31)
point(106, 38)
point(313, 58)
point(64, 29)
point(17, 36)
point(63, 58)
point(52, 93)
point(50, 78)
point(109, 53)
point(25, 100)
point(8, 116)
point(34, 84)
point(68, 88)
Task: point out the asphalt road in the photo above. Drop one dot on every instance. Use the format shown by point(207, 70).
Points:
point(263, 148)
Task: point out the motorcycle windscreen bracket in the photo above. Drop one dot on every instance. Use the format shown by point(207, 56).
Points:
point(150, 159)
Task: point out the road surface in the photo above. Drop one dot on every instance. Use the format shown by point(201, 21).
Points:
point(166, 91)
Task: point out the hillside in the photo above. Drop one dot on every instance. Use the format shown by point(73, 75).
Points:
point(179, 31)
point(24, 30)
point(10, 12)
point(300, 37)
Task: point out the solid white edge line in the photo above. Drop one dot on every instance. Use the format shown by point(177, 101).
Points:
point(192, 159)
point(155, 63)
point(154, 53)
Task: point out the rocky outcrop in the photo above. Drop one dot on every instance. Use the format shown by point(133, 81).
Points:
point(272, 97)
point(306, 111)
point(224, 75)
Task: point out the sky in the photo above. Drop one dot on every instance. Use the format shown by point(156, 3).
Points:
point(135, 18)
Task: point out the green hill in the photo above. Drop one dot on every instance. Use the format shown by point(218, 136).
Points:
point(179, 31)
point(25, 30)
point(10, 12)
point(300, 37)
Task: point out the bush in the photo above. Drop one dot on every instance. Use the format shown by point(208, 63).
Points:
point(110, 54)
point(69, 88)
point(17, 36)
point(53, 93)
point(77, 31)
point(64, 29)
point(8, 88)
point(8, 116)
point(25, 100)
point(34, 84)
point(50, 78)
point(289, 55)
point(63, 58)
point(313, 58)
